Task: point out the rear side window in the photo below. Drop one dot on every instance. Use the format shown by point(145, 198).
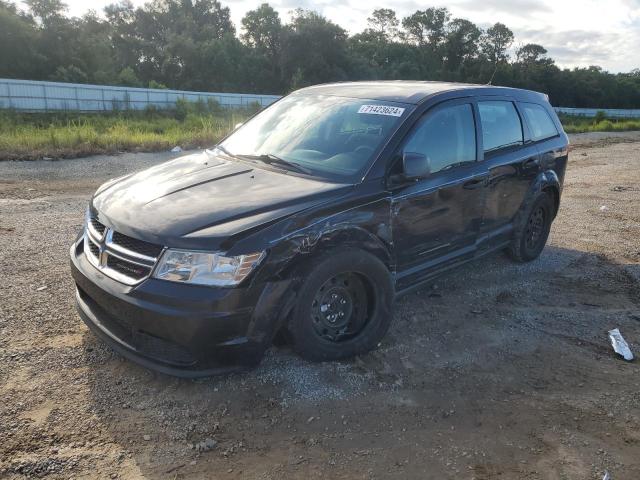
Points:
point(539, 121)
point(501, 126)
point(447, 137)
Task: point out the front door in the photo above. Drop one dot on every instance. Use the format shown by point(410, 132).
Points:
point(436, 219)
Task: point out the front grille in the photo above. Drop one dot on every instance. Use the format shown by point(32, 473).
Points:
point(135, 245)
point(94, 249)
point(123, 258)
point(97, 226)
point(128, 269)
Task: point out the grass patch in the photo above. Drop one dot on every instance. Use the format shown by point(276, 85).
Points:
point(575, 124)
point(191, 125)
point(66, 135)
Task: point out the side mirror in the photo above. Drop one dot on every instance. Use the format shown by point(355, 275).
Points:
point(238, 125)
point(415, 165)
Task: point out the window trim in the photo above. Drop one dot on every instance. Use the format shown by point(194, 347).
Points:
point(526, 136)
point(523, 116)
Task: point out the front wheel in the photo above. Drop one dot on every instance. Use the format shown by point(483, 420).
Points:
point(343, 308)
point(532, 233)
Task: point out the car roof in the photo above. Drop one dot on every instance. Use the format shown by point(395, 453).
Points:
point(412, 92)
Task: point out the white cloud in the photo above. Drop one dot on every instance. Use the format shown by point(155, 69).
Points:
point(576, 32)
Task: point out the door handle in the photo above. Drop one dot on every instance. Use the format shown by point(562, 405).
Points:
point(474, 183)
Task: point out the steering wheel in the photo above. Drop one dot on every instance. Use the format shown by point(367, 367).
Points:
point(364, 150)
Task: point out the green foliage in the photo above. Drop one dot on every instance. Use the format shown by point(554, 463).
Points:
point(157, 85)
point(128, 78)
point(70, 74)
point(599, 123)
point(32, 136)
point(192, 45)
point(182, 109)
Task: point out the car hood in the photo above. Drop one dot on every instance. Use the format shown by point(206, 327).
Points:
point(204, 196)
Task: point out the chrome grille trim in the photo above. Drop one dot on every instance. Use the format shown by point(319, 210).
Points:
point(129, 253)
point(95, 234)
point(106, 249)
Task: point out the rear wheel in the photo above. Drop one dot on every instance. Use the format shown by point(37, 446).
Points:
point(532, 233)
point(343, 307)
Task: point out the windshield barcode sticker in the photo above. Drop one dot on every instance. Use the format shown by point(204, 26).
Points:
point(381, 110)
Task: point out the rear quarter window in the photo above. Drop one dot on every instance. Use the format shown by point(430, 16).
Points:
point(539, 121)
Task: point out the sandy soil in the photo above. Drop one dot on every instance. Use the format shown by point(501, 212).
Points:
point(497, 370)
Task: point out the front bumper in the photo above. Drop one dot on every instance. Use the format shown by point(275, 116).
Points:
point(181, 330)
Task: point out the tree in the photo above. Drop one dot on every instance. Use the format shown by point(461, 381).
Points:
point(495, 43)
point(314, 50)
point(263, 33)
point(263, 29)
point(70, 74)
point(47, 11)
point(384, 24)
point(193, 45)
point(530, 53)
point(128, 78)
point(461, 43)
point(427, 27)
point(17, 30)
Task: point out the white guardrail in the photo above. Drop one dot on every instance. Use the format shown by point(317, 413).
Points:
point(37, 96)
point(608, 112)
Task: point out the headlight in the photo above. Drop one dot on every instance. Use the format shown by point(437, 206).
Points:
point(203, 268)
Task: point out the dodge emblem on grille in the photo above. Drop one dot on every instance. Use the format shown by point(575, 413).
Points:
point(115, 257)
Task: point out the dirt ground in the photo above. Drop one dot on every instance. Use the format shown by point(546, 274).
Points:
point(497, 370)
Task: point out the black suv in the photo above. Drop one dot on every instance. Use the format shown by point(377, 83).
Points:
point(309, 219)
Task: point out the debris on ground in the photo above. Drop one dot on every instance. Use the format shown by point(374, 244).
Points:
point(620, 346)
point(604, 208)
point(206, 445)
point(176, 149)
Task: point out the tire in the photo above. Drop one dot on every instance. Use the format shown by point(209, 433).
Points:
point(533, 229)
point(343, 306)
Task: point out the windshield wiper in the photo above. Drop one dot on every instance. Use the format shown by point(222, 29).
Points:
point(271, 159)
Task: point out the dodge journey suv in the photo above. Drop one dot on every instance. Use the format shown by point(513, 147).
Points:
point(308, 220)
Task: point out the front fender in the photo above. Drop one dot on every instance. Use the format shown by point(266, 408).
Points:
point(365, 227)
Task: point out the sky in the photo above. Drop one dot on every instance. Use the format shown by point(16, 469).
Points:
point(575, 32)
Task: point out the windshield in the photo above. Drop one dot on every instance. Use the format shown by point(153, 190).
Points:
point(331, 137)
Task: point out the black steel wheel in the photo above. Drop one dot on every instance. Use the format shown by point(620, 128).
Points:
point(343, 305)
point(532, 230)
point(340, 307)
point(535, 228)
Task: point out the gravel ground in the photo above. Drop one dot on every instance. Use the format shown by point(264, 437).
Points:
point(496, 370)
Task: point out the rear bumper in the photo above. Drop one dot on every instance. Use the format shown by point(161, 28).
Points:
point(180, 330)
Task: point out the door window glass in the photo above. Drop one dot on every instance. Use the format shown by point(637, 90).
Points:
point(501, 126)
point(539, 121)
point(446, 137)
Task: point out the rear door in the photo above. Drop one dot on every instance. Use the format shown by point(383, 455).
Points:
point(436, 219)
point(513, 162)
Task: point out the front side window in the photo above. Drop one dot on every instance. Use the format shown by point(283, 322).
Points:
point(447, 137)
point(331, 137)
point(539, 121)
point(501, 125)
